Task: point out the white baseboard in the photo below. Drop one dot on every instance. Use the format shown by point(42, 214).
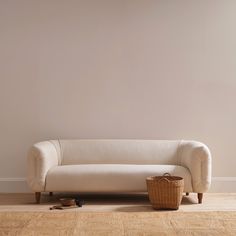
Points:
point(19, 185)
point(14, 185)
point(223, 185)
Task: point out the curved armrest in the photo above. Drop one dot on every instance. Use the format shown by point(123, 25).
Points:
point(197, 158)
point(42, 157)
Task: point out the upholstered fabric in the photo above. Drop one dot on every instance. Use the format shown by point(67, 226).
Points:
point(116, 165)
point(42, 157)
point(197, 158)
point(118, 152)
point(109, 177)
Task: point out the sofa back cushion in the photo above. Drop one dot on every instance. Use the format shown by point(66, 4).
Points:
point(75, 152)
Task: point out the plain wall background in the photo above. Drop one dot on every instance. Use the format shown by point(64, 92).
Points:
point(117, 69)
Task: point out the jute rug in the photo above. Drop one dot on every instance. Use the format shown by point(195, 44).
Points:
point(117, 223)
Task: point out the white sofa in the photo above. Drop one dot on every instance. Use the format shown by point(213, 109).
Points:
point(94, 166)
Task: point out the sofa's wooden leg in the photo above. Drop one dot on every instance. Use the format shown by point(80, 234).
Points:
point(200, 196)
point(37, 197)
point(50, 193)
point(187, 193)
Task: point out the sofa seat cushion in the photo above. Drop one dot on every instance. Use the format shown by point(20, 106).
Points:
point(109, 177)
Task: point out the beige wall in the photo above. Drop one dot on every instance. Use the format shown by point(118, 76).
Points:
point(117, 69)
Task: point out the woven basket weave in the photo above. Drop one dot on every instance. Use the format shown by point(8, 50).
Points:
point(165, 192)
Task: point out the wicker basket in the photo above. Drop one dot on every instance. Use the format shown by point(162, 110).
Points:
point(165, 192)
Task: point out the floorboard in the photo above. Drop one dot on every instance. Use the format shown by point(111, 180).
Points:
point(115, 203)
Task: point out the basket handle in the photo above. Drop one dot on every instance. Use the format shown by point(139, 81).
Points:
point(163, 177)
point(166, 174)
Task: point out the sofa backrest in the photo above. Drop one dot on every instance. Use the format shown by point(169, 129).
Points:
point(75, 152)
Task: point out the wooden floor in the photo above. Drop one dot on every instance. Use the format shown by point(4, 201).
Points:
point(115, 203)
